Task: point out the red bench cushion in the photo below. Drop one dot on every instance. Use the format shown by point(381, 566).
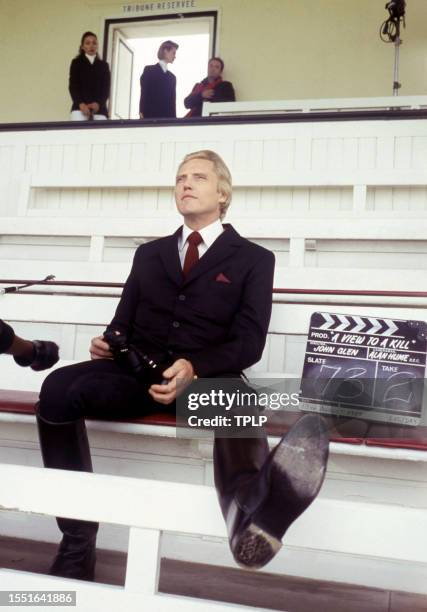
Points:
point(23, 402)
point(392, 436)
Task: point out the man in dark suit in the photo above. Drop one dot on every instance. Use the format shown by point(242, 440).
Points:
point(37, 354)
point(212, 89)
point(198, 302)
point(158, 85)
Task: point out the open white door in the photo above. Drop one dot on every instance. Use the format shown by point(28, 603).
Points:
point(141, 38)
point(122, 77)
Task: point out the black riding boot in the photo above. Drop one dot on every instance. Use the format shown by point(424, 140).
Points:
point(262, 493)
point(65, 446)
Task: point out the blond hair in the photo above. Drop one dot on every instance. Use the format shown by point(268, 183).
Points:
point(167, 45)
point(221, 171)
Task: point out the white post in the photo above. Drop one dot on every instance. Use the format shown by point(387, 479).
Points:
point(359, 198)
point(296, 252)
point(142, 571)
point(96, 248)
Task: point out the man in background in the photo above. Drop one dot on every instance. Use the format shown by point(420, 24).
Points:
point(211, 89)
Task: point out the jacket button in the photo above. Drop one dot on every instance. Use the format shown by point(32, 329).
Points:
point(181, 297)
point(175, 324)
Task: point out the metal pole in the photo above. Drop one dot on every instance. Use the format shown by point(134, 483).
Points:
point(396, 84)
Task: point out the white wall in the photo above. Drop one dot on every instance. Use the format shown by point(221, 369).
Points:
point(273, 49)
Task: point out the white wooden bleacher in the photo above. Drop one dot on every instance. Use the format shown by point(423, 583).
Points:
point(146, 507)
point(342, 204)
point(367, 482)
point(323, 196)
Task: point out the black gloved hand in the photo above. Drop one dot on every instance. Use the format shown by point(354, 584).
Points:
point(45, 355)
point(7, 336)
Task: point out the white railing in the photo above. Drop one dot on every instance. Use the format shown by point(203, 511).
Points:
point(272, 107)
point(72, 320)
point(151, 508)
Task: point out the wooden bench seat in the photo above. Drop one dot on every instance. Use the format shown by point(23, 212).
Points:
point(360, 510)
point(391, 436)
point(22, 402)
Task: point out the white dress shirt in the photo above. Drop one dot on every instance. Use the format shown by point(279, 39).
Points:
point(209, 234)
point(164, 65)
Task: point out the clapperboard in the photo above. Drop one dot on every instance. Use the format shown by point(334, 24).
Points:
point(365, 367)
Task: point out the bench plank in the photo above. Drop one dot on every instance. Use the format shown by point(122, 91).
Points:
point(392, 436)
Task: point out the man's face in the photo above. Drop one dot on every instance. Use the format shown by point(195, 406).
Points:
point(214, 69)
point(196, 192)
point(169, 55)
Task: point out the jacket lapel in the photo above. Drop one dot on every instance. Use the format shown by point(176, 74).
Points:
point(170, 257)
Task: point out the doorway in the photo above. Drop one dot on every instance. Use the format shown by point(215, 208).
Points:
point(130, 44)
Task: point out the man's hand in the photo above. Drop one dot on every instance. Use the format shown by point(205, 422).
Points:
point(141, 115)
point(181, 371)
point(94, 106)
point(99, 349)
point(85, 109)
point(207, 94)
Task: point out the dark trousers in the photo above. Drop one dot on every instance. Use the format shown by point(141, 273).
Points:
point(99, 388)
point(102, 389)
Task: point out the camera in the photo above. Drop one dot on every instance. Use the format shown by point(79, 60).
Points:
point(390, 28)
point(132, 359)
point(396, 8)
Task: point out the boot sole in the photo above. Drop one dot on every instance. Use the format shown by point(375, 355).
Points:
point(297, 473)
point(255, 547)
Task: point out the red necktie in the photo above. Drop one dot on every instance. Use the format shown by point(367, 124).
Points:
point(192, 254)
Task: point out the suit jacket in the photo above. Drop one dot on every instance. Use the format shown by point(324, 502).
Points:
point(158, 92)
point(89, 82)
point(217, 317)
point(223, 92)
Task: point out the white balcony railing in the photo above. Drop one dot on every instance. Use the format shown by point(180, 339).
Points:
point(351, 527)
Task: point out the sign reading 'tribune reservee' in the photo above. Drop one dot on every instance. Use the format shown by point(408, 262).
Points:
point(365, 367)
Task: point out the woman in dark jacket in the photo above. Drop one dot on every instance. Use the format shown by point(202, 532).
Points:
point(158, 85)
point(89, 83)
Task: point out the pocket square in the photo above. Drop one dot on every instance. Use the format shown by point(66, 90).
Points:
point(221, 278)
